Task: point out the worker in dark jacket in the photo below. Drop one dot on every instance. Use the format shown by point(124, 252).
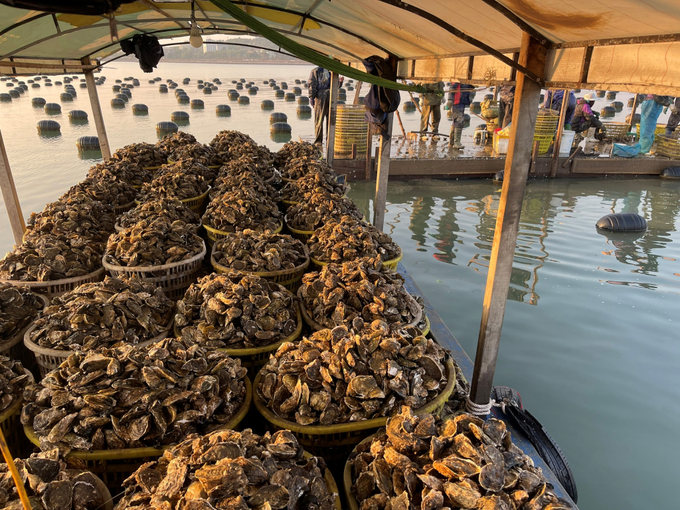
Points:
point(507, 100)
point(584, 118)
point(553, 101)
point(674, 119)
point(460, 97)
point(319, 99)
point(430, 106)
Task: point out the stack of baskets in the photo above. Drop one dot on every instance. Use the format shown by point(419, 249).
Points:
point(668, 146)
point(546, 126)
point(351, 130)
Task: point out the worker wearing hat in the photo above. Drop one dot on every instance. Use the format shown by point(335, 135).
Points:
point(584, 117)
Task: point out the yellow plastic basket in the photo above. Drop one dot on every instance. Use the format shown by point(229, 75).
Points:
point(287, 278)
point(331, 441)
point(50, 359)
point(197, 204)
point(14, 347)
point(302, 235)
point(330, 482)
point(543, 143)
point(426, 330)
point(54, 288)
point(114, 466)
point(215, 235)
point(120, 209)
point(660, 129)
point(668, 146)
point(10, 424)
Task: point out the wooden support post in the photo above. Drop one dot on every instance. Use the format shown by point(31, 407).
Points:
point(533, 56)
point(382, 176)
point(369, 152)
point(558, 136)
point(401, 124)
point(357, 94)
point(9, 195)
point(332, 115)
point(632, 113)
point(97, 111)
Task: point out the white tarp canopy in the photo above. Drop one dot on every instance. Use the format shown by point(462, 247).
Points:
point(615, 44)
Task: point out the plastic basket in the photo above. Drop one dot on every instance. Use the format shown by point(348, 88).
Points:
point(10, 424)
point(54, 288)
point(543, 143)
point(14, 348)
point(173, 278)
point(331, 441)
point(302, 235)
point(50, 359)
point(615, 130)
point(291, 279)
point(660, 129)
point(196, 204)
point(215, 235)
point(114, 466)
point(120, 209)
point(318, 327)
point(546, 122)
point(389, 265)
point(668, 146)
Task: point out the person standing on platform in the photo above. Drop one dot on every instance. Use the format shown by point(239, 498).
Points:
point(553, 101)
point(674, 119)
point(460, 97)
point(319, 99)
point(649, 114)
point(430, 106)
point(506, 95)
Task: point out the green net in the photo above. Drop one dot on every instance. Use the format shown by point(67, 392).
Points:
point(308, 54)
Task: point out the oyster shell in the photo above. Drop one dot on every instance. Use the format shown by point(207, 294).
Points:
point(136, 396)
point(168, 208)
point(315, 181)
point(241, 209)
point(18, 307)
point(105, 188)
point(122, 169)
point(13, 380)
point(141, 155)
point(175, 182)
point(249, 251)
point(175, 141)
point(299, 167)
point(203, 154)
point(317, 208)
point(294, 150)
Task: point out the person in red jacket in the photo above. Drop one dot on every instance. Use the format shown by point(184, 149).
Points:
point(459, 95)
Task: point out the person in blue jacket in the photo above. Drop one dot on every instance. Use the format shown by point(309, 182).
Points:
point(460, 97)
point(553, 101)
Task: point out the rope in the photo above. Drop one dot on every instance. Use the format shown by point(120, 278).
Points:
point(478, 409)
point(308, 54)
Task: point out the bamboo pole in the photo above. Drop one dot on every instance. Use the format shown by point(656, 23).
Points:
point(97, 112)
point(332, 116)
point(357, 94)
point(632, 113)
point(383, 175)
point(10, 196)
point(369, 152)
point(15, 472)
point(558, 136)
point(401, 125)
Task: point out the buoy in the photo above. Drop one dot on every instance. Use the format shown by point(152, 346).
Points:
point(77, 115)
point(223, 110)
point(82, 85)
point(267, 104)
point(233, 95)
point(617, 105)
point(297, 91)
point(140, 109)
point(36, 85)
point(65, 96)
point(297, 81)
point(186, 81)
point(276, 87)
point(601, 93)
point(239, 86)
point(304, 110)
point(151, 82)
point(123, 97)
point(88, 143)
point(278, 118)
point(163, 89)
point(179, 116)
point(279, 94)
point(466, 120)
point(200, 87)
point(636, 119)
point(179, 92)
point(349, 87)
point(48, 126)
point(631, 101)
point(622, 222)
point(409, 106)
point(7, 98)
point(207, 90)
point(37, 101)
point(117, 81)
point(183, 99)
point(672, 172)
point(117, 102)
point(475, 107)
point(611, 95)
point(290, 96)
point(284, 85)
point(14, 93)
point(252, 91)
point(608, 111)
point(52, 108)
point(244, 100)
point(280, 127)
point(242, 80)
point(165, 127)
point(126, 92)
point(197, 104)
point(302, 100)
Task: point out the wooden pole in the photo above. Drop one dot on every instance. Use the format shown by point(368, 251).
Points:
point(558, 136)
point(533, 56)
point(18, 482)
point(10, 196)
point(369, 152)
point(97, 111)
point(401, 125)
point(632, 113)
point(383, 175)
point(357, 94)
point(332, 115)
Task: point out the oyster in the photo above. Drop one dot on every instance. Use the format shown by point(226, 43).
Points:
point(249, 251)
point(225, 140)
point(123, 170)
point(294, 150)
point(51, 484)
point(300, 167)
point(339, 293)
point(349, 239)
point(317, 208)
point(141, 155)
point(103, 314)
point(232, 145)
point(105, 188)
point(134, 396)
point(170, 209)
point(236, 310)
point(175, 182)
point(421, 453)
point(18, 307)
point(312, 182)
point(231, 470)
point(242, 173)
point(13, 380)
point(241, 209)
point(175, 141)
point(203, 154)
point(153, 243)
point(51, 257)
point(339, 376)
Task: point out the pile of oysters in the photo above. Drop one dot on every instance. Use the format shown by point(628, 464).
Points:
point(294, 150)
point(317, 208)
point(174, 184)
point(231, 470)
point(133, 397)
point(106, 188)
point(462, 462)
point(316, 181)
point(236, 311)
point(141, 155)
point(200, 153)
point(13, 380)
point(103, 314)
point(242, 208)
point(18, 307)
point(340, 375)
point(188, 166)
point(252, 252)
point(122, 170)
point(299, 167)
point(169, 208)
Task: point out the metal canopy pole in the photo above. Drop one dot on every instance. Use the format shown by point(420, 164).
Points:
point(9, 194)
point(558, 136)
point(533, 56)
point(97, 111)
point(332, 114)
point(383, 175)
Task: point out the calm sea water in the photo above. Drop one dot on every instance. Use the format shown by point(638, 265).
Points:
point(590, 333)
point(590, 337)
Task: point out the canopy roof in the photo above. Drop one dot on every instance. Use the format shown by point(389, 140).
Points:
point(634, 41)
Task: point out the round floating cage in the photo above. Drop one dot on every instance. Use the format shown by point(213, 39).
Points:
point(611, 95)
point(600, 93)
point(197, 104)
point(183, 99)
point(37, 101)
point(88, 143)
point(140, 109)
point(278, 117)
point(252, 91)
point(77, 116)
point(65, 96)
point(280, 128)
point(207, 90)
point(304, 111)
point(123, 97)
point(48, 126)
point(617, 105)
point(608, 111)
point(243, 100)
point(409, 106)
point(302, 100)
point(233, 95)
point(179, 116)
point(476, 107)
point(289, 96)
point(36, 85)
point(223, 109)
point(116, 102)
point(297, 91)
point(284, 85)
point(164, 128)
point(267, 104)
point(351, 130)
point(6, 98)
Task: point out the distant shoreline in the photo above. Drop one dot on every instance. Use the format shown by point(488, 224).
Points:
point(241, 62)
